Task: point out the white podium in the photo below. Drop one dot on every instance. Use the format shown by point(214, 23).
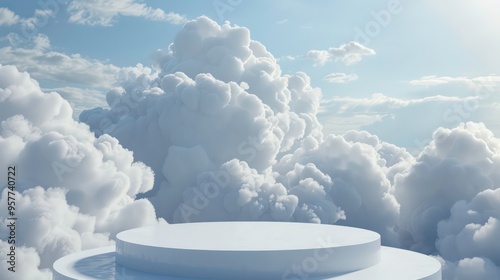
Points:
point(247, 250)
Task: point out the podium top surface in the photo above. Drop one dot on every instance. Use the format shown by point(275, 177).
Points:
point(248, 236)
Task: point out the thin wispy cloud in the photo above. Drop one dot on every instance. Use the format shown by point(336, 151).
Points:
point(8, 17)
point(238, 121)
point(105, 12)
point(340, 78)
point(36, 57)
point(349, 54)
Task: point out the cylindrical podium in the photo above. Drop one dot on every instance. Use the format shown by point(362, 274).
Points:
point(247, 250)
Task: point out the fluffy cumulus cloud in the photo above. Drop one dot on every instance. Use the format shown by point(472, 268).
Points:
point(36, 57)
point(102, 12)
point(476, 268)
point(467, 240)
point(348, 54)
point(8, 17)
point(472, 228)
point(219, 133)
point(449, 201)
point(73, 191)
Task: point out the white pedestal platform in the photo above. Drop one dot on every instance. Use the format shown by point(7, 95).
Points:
point(247, 250)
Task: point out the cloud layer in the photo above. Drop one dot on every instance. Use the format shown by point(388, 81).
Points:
point(216, 132)
point(349, 54)
point(280, 166)
point(340, 78)
point(73, 191)
point(99, 12)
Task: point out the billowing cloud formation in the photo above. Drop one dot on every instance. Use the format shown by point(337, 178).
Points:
point(472, 228)
point(31, 263)
point(51, 226)
point(476, 268)
point(468, 240)
point(80, 99)
point(243, 143)
point(348, 54)
point(99, 12)
point(73, 191)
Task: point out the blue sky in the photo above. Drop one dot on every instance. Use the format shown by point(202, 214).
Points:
point(431, 53)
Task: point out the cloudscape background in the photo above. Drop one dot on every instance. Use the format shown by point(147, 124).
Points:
point(379, 115)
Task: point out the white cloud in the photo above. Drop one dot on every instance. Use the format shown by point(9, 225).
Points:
point(36, 57)
point(457, 165)
point(51, 226)
point(450, 202)
point(340, 78)
point(244, 110)
point(59, 67)
point(472, 228)
point(31, 262)
point(383, 115)
point(8, 17)
point(80, 99)
point(38, 19)
point(74, 191)
point(105, 12)
point(350, 53)
point(360, 186)
point(287, 58)
point(41, 42)
point(283, 21)
point(428, 81)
